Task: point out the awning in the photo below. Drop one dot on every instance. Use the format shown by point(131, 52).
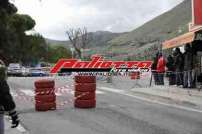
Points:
point(183, 39)
point(179, 41)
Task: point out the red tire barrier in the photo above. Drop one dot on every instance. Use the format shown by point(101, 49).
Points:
point(44, 84)
point(85, 79)
point(85, 103)
point(45, 91)
point(45, 98)
point(45, 106)
point(85, 95)
point(135, 75)
point(85, 87)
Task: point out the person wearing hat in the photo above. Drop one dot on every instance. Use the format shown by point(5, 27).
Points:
point(7, 105)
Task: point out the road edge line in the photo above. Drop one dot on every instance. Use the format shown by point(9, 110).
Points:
point(151, 101)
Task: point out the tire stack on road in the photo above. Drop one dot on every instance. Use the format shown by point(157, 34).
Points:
point(85, 92)
point(135, 75)
point(45, 98)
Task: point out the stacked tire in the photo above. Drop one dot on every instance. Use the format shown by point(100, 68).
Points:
point(135, 75)
point(45, 98)
point(85, 92)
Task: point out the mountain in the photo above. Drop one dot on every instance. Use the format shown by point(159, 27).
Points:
point(165, 26)
point(142, 42)
point(57, 43)
point(97, 40)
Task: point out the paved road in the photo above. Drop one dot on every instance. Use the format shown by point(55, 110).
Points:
point(115, 114)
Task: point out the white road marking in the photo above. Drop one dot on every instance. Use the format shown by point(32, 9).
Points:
point(149, 100)
point(13, 94)
point(58, 94)
point(111, 89)
point(72, 92)
point(28, 92)
point(99, 92)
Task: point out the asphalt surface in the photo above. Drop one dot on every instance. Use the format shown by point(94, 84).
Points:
point(115, 113)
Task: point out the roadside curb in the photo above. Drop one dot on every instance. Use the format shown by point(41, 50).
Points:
point(186, 97)
point(166, 100)
point(183, 105)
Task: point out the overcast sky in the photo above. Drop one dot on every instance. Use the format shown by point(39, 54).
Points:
point(53, 17)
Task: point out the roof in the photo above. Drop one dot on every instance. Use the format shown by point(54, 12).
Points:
point(180, 40)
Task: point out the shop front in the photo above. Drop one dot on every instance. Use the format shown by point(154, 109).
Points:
point(194, 38)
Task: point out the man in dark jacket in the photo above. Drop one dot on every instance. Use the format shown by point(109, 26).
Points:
point(6, 101)
point(154, 67)
point(188, 66)
point(171, 70)
point(178, 63)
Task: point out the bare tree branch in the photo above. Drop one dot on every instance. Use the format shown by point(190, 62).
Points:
point(79, 39)
point(84, 37)
point(73, 35)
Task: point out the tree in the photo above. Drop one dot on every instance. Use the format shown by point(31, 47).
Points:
point(73, 35)
point(79, 39)
point(84, 37)
point(15, 45)
point(57, 52)
point(6, 39)
point(20, 24)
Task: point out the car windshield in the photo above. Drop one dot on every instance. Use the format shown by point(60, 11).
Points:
point(13, 65)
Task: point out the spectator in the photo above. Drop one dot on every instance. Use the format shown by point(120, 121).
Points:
point(178, 64)
point(153, 68)
point(171, 70)
point(6, 101)
point(196, 66)
point(188, 66)
point(161, 69)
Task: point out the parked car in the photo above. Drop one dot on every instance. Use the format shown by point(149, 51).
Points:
point(37, 72)
point(14, 69)
point(25, 71)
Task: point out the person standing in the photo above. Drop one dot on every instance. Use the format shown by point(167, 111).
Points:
point(6, 101)
point(153, 68)
point(171, 70)
point(188, 66)
point(161, 69)
point(178, 63)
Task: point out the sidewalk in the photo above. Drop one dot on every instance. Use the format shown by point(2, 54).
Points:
point(173, 95)
point(186, 97)
point(9, 130)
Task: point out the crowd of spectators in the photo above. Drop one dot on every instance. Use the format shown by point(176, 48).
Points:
point(178, 67)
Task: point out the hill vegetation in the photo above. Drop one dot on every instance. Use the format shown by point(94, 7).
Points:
point(142, 42)
point(16, 46)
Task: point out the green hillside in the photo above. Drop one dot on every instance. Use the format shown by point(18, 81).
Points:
point(146, 39)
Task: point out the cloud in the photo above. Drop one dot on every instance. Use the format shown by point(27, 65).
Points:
point(54, 16)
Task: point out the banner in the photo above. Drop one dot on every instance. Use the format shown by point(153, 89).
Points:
point(197, 12)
